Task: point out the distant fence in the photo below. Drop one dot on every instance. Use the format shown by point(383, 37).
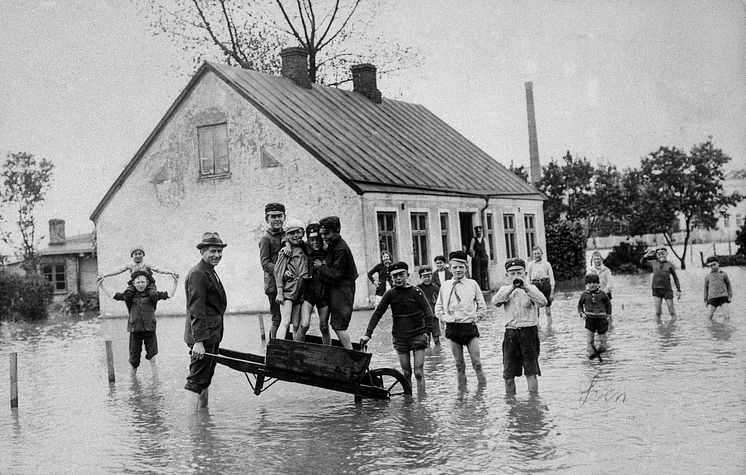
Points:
point(698, 236)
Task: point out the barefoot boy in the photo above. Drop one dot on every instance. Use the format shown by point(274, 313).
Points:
point(594, 307)
point(412, 320)
point(521, 301)
point(460, 304)
point(541, 275)
point(718, 292)
point(291, 272)
point(662, 273)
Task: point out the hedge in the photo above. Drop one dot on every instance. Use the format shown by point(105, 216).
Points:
point(24, 296)
point(566, 242)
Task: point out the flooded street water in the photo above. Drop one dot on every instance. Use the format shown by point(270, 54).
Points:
point(669, 398)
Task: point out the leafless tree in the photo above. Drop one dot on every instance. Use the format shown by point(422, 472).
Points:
point(249, 34)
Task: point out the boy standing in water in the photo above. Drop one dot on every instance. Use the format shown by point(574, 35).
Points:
point(541, 275)
point(594, 307)
point(431, 292)
point(662, 273)
point(718, 292)
point(521, 301)
point(412, 320)
point(460, 304)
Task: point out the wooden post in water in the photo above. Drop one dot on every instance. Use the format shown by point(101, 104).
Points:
point(261, 328)
point(13, 380)
point(110, 360)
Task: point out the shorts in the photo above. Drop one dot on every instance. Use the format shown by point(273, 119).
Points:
point(461, 333)
point(341, 300)
point(717, 301)
point(545, 288)
point(405, 345)
point(597, 325)
point(435, 328)
point(663, 293)
point(521, 352)
point(315, 293)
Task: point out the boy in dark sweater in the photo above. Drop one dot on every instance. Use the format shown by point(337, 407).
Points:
point(718, 291)
point(594, 307)
point(413, 319)
point(141, 301)
point(662, 273)
point(431, 291)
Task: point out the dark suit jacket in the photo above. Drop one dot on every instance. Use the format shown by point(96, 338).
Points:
point(206, 303)
point(436, 277)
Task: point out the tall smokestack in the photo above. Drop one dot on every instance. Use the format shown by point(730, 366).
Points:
point(533, 144)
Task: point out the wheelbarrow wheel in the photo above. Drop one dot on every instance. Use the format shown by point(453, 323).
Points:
point(392, 381)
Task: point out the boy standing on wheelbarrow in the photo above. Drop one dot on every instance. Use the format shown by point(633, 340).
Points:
point(413, 319)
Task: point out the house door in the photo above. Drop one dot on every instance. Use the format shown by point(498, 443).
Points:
point(466, 225)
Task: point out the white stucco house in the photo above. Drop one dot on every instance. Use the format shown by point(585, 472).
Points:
point(398, 177)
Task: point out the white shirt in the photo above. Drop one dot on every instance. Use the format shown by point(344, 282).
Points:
point(540, 270)
point(521, 306)
point(460, 301)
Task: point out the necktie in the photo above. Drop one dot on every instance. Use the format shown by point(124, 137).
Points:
point(452, 294)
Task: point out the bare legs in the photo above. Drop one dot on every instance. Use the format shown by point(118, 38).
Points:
point(531, 380)
point(286, 311)
point(711, 311)
point(419, 367)
point(476, 362)
point(658, 308)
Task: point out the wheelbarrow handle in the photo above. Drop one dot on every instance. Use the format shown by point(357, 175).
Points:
point(363, 344)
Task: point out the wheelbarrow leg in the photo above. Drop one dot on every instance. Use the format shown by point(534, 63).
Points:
point(259, 383)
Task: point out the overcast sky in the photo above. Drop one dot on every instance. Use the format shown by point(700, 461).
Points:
point(83, 83)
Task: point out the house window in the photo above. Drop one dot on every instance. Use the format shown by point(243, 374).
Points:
point(491, 236)
point(387, 233)
point(529, 223)
point(444, 232)
point(55, 273)
point(509, 225)
point(419, 238)
point(213, 150)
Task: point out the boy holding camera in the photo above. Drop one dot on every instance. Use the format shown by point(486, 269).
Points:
point(521, 301)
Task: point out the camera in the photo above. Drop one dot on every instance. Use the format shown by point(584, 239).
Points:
point(517, 283)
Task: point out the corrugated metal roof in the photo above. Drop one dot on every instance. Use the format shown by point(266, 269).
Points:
point(395, 144)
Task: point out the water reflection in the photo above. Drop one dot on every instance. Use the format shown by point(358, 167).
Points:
point(527, 430)
point(667, 333)
point(720, 331)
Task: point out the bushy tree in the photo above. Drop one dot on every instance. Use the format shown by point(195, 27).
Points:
point(741, 239)
point(335, 33)
point(566, 244)
point(675, 185)
point(25, 182)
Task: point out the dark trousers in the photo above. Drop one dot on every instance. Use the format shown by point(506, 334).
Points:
point(480, 273)
point(201, 371)
point(136, 342)
point(274, 311)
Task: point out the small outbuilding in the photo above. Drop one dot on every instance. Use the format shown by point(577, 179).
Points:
point(399, 178)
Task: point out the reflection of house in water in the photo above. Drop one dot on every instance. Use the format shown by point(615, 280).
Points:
point(69, 263)
point(399, 178)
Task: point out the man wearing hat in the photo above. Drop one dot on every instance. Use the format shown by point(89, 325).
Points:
point(412, 321)
point(206, 304)
point(461, 304)
point(521, 301)
point(479, 259)
point(269, 248)
point(338, 273)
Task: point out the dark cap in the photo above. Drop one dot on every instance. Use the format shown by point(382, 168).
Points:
point(331, 222)
point(398, 266)
point(511, 263)
point(591, 279)
point(138, 273)
point(440, 258)
point(712, 259)
point(312, 230)
point(457, 256)
point(477, 227)
point(274, 207)
point(425, 270)
point(211, 239)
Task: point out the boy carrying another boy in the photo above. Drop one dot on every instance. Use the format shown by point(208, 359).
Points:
point(431, 291)
point(594, 307)
point(461, 304)
point(141, 303)
point(521, 301)
point(718, 292)
point(137, 253)
point(412, 320)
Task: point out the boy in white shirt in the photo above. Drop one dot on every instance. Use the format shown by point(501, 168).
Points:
point(541, 275)
point(460, 305)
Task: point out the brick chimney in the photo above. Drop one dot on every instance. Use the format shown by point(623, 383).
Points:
point(295, 66)
point(364, 81)
point(56, 232)
point(533, 143)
